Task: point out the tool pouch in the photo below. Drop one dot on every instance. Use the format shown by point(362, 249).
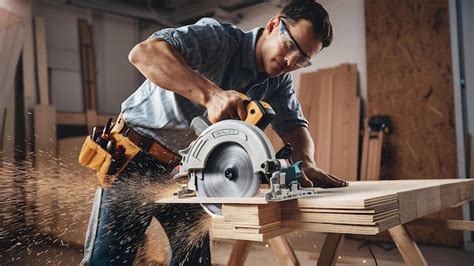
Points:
point(93, 156)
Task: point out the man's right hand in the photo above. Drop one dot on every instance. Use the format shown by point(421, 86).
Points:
point(226, 105)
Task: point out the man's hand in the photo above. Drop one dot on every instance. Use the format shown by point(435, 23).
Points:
point(313, 176)
point(224, 105)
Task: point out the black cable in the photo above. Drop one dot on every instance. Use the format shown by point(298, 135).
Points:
point(372, 253)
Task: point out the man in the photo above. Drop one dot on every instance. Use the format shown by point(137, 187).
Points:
point(191, 70)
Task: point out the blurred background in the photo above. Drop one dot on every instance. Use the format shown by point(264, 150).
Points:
point(64, 70)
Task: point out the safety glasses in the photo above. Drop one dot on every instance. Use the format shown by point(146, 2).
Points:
point(290, 46)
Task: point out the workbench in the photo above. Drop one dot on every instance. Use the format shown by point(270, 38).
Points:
point(362, 208)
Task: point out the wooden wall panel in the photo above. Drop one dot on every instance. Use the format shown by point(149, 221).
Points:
point(410, 79)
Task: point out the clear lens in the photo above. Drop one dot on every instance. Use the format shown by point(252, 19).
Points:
point(289, 46)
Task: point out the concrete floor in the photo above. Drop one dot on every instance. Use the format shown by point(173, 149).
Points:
point(307, 247)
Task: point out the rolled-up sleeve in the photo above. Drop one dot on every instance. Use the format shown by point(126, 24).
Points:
point(199, 44)
point(287, 107)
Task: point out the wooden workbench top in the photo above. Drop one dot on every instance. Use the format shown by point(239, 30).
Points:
point(364, 207)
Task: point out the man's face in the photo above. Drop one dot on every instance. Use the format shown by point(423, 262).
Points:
point(289, 46)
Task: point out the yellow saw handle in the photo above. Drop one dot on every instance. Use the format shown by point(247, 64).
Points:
point(259, 113)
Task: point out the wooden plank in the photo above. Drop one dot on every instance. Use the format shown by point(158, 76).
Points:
point(239, 252)
point(41, 60)
point(365, 152)
point(408, 248)
point(374, 209)
point(283, 251)
point(347, 144)
point(338, 218)
point(88, 70)
point(351, 153)
point(305, 93)
point(329, 252)
point(378, 155)
point(324, 120)
point(337, 121)
point(375, 155)
point(29, 77)
point(341, 228)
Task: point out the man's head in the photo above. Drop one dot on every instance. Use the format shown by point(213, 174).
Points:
point(294, 37)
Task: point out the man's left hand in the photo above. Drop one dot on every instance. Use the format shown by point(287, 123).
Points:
point(313, 176)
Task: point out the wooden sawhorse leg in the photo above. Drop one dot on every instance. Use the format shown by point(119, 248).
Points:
point(239, 253)
point(328, 255)
point(282, 249)
point(408, 248)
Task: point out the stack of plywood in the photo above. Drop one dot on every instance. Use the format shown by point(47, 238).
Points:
point(330, 102)
point(249, 222)
point(365, 207)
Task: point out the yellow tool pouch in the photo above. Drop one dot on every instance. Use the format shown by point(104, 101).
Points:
point(93, 156)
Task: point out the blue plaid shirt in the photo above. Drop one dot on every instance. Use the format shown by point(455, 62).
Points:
point(225, 55)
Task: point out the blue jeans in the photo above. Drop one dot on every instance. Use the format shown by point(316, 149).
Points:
point(121, 214)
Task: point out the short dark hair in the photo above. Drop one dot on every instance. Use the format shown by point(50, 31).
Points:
point(315, 14)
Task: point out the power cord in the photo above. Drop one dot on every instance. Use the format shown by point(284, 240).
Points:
point(368, 243)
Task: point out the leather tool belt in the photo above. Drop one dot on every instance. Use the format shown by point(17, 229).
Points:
point(149, 146)
point(108, 166)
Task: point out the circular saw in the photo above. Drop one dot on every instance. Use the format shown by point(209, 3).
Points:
point(229, 158)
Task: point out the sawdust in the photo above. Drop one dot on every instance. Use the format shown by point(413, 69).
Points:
point(55, 199)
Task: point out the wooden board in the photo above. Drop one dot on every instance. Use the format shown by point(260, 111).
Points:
point(352, 210)
point(410, 79)
point(29, 77)
point(330, 103)
point(41, 60)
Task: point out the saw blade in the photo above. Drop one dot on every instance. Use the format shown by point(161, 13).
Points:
point(228, 173)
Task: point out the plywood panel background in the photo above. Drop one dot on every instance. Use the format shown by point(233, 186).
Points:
point(330, 101)
point(410, 79)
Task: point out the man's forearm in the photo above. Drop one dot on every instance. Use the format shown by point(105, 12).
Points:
point(302, 143)
point(163, 65)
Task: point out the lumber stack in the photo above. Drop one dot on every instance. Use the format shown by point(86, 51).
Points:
point(365, 207)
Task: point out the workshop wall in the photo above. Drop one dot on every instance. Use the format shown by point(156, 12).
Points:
point(410, 79)
point(114, 36)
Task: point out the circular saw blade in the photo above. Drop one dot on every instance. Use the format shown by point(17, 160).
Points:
point(228, 173)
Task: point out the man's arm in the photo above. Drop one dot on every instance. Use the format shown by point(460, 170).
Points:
point(159, 62)
point(303, 145)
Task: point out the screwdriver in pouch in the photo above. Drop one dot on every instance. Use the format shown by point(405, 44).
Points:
point(104, 137)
